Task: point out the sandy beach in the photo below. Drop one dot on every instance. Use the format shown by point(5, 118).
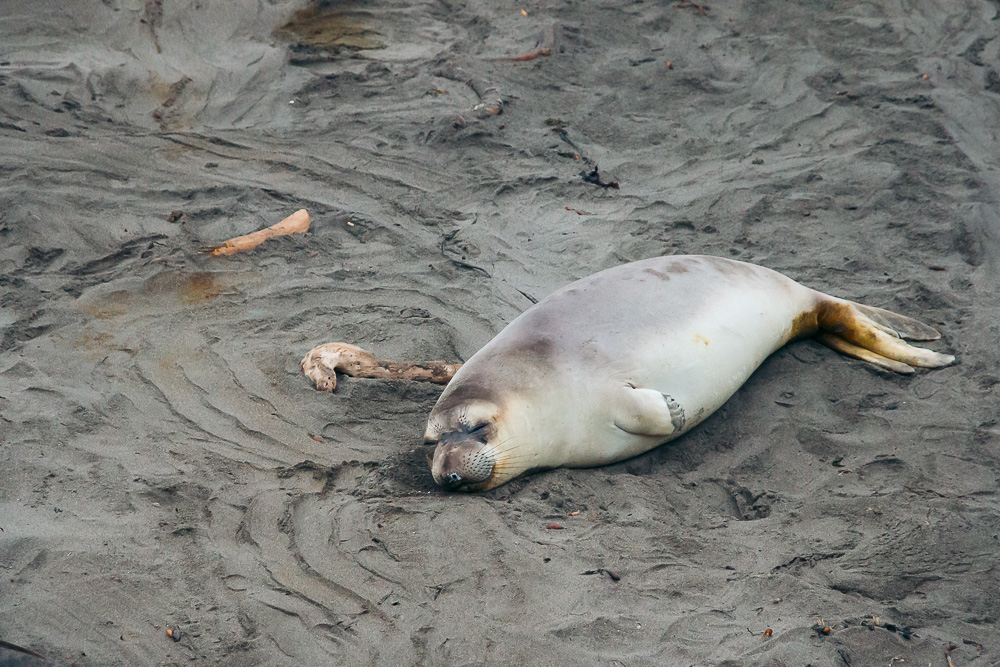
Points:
point(166, 466)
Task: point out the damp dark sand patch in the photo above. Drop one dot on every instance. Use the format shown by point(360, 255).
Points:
point(165, 291)
point(327, 26)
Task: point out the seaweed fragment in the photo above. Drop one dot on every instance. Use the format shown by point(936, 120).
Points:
point(593, 176)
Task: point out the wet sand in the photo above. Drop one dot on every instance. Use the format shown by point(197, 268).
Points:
point(166, 465)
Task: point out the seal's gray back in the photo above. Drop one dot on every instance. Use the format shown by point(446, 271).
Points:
point(695, 327)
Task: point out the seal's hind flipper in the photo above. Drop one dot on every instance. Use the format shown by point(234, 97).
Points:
point(852, 350)
point(898, 325)
point(861, 331)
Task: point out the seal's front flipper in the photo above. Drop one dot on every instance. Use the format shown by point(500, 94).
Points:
point(648, 412)
point(874, 335)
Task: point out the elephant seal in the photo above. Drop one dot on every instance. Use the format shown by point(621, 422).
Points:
point(627, 359)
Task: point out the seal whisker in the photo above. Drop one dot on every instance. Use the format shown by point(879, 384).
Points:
point(501, 450)
point(494, 448)
point(508, 462)
point(506, 456)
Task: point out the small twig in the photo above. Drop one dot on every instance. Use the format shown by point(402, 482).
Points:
point(561, 131)
point(491, 101)
point(543, 46)
point(527, 296)
point(702, 9)
point(614, 576)
point(947, 653)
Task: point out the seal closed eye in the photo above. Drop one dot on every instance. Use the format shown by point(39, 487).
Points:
point(629, 358)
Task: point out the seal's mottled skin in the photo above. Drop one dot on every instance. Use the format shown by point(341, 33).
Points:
point(629, 358)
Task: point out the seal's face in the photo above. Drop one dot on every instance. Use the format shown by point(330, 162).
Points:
point(469, 453)
point(463, 459)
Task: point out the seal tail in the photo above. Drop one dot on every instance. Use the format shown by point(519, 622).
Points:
point(875, 335)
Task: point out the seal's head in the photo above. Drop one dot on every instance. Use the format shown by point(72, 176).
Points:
point(475, 442)
point(466, 452)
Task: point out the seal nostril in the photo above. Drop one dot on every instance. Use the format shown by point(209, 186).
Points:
point(452, 480)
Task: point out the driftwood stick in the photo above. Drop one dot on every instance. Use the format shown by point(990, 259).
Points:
point(296, 223)
point(543, 46)
point(490, 99)
point(322, 363)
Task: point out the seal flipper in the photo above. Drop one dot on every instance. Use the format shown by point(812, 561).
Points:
point(648, 412)
point(874, 335)
point(896, 325)
point(852, 350)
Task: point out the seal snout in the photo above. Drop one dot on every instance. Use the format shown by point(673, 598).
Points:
point(462, 463)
